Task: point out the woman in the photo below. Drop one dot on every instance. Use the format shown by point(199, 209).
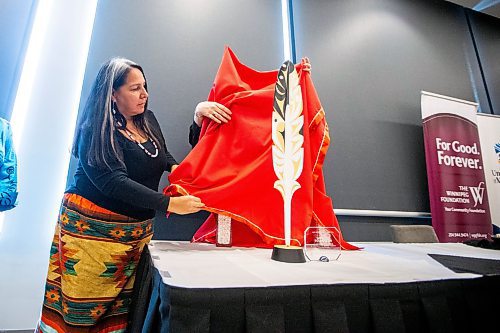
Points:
point(106, 215)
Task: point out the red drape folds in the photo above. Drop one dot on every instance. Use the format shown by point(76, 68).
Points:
point(231, 167)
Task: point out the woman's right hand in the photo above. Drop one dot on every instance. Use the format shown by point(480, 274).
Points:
point(186, 204)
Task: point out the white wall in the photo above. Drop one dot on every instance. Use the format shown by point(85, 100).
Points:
point(43, 122)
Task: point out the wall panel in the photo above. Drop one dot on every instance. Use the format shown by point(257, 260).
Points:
point(370, 61)
point(180, 43)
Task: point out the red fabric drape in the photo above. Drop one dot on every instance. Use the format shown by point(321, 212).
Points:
point(231, 167)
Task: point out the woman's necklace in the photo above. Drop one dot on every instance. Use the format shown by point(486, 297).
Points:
point(131, 136)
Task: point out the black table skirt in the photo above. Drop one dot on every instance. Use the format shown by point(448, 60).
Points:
point(465, 305)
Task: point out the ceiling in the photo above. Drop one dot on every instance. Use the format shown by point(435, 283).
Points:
point(490, 7)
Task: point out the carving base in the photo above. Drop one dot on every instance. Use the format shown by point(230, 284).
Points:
point(290, 254)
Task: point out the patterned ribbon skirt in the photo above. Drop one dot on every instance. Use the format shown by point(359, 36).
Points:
point(92, 267)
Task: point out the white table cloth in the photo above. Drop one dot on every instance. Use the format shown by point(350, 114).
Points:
point(182, 264)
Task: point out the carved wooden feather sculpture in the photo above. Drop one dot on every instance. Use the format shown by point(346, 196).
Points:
point(288, 153)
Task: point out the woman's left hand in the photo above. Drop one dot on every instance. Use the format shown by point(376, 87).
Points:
point(306, 64)
point(212, 110)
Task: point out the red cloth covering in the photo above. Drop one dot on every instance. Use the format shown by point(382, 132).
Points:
point(231, 167)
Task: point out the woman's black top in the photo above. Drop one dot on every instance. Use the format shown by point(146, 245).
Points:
point(130, 190)
point(194, 134)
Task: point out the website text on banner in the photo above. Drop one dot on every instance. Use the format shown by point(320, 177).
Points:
point(457, 189)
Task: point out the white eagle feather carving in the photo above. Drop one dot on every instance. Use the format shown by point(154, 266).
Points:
point(288, 151)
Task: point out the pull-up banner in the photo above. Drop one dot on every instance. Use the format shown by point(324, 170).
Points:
point(489, 134)
point(457, 189)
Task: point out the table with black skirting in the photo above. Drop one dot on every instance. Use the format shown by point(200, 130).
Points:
point(385, 287)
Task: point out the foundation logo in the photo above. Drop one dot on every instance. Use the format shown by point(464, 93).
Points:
point(477, 193)
point(497, 151)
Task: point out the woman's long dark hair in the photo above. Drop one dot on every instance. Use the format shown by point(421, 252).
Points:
point(97, 123)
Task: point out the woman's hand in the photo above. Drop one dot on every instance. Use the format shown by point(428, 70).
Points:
point(173, 167)
point(212, 110)
point(306, 64)
point(186, 204)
